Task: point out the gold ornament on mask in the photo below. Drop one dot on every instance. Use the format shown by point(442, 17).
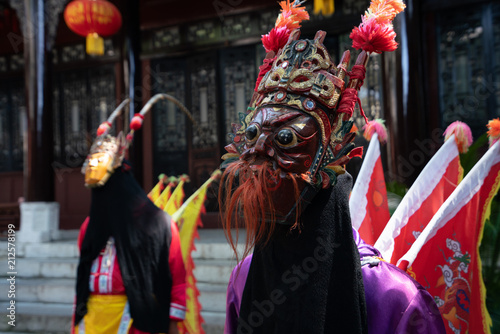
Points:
point(106, 154)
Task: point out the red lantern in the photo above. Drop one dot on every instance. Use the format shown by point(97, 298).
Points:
point(93, 19)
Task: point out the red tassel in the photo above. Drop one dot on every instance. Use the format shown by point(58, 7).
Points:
point(136, 122)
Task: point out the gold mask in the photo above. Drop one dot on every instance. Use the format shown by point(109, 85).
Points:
point(106, 154)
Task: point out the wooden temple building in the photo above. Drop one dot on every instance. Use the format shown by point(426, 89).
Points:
point(206, 53)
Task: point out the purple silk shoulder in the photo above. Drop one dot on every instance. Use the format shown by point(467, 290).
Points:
point(395, 302)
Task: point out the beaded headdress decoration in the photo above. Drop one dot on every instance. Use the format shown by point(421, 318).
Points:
point(107, 152)
point(301, 74)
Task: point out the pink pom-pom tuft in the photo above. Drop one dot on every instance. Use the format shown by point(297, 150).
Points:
point(463, 135)
point(129, 137)
point(103, 128)
point(136, 122)
point(376, 126)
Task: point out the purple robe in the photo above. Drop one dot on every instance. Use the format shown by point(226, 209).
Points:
point(395, 302)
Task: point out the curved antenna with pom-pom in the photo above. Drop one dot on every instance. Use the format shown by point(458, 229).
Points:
point(136, 122)
point(105, 126)
point(463, 135)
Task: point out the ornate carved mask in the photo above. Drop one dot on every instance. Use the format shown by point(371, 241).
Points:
point(286, 140)
point(294, 133)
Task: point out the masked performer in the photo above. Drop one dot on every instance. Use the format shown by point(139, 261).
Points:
point(131, 276)
point(284, 181)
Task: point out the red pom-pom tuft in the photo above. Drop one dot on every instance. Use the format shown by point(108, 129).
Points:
point(276, 39)
point(103, 128)
point(371, 36)
point(136, 122)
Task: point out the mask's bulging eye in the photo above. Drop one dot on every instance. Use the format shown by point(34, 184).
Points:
point(251, 133)
point(286, 137)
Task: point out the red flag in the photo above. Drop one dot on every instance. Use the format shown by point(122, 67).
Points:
point(368, 202)
point(445, 257)
point(435, 183)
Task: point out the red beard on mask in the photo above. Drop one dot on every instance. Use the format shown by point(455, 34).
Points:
point(247, 199)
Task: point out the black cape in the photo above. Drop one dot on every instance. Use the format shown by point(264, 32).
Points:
point(308, 282)
point(142, 234)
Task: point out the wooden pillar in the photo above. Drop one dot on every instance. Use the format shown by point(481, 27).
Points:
point(133, 83)
point(413, 140)
point(147, 130)
point(39, 141)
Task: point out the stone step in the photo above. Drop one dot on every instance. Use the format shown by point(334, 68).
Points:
point(213, 271)
point(212, 297)
point(44, 318)
point(62, 291)
point(64, 250)
point(58, 249)
point(41, 290)
point(41, 267)
point(212, 244)
point(206, 271)
point(213, 322)
point(54, 318)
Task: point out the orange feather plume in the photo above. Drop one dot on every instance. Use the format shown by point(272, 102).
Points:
point(493, 130)
point(291, 15)
point(385, 10)
point(376, 32)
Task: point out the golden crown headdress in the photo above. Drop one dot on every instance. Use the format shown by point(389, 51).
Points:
point(301, 74)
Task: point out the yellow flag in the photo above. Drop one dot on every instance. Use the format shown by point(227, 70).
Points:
point(156, 191)
point(162, 200)
point(188, 220)
point(175, 200)
point(326, 7)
